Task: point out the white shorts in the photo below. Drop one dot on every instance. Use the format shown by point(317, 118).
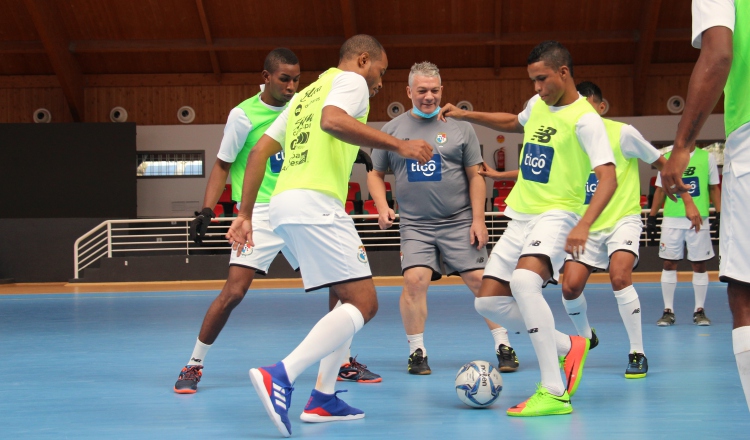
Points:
point(321, 236)
point(673, 242)
point(544, 235)
point(267, 245)
point(623, 236)
point(734, 243)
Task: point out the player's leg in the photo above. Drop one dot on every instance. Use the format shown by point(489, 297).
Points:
point(699, 250)
point(351, 370)
point(506, 356)
point(700, 289)
point(575, 276)
point(330, 254)
point(671, 250)
point(419, 265)
point(734, 267)
point(231, 295)
point(629, 306)
point(242, 269)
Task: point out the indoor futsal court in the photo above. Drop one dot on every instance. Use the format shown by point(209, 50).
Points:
point(102, 365)
point(127, 130)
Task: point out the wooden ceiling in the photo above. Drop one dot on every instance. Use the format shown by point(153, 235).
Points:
point(75, 44)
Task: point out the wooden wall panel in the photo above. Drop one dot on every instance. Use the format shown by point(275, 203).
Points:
point(18, 105)
point(158, 105)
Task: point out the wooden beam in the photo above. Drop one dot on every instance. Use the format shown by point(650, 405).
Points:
point(348, 17)
point(230, 44)
point(389, 41)
point(393, 76)
point(643, 54)
point(498, 34)
point(21, 47)
point(209, 41)
point(55, 41)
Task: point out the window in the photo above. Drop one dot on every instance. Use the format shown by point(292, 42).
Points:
point(170, 164)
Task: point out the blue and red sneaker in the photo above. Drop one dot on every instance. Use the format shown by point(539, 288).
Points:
point(328, 408)
point(275, 391)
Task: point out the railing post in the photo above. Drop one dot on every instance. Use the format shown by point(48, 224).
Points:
point(109, 240)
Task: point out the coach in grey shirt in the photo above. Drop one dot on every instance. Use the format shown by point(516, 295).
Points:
point(441, 205)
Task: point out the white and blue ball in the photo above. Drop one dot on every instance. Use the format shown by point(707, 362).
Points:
point(478, 384)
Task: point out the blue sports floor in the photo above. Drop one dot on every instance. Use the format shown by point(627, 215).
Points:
point(96, 366)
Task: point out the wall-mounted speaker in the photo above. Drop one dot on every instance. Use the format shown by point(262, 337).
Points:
point(676, 104)
point(42, 115)
point(395, 109)
point(186, 114)
point(465, 105)
point(118, 114)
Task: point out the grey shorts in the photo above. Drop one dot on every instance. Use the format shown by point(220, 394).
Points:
point(424, 243)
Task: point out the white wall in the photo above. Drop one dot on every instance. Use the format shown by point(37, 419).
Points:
point(179, 197)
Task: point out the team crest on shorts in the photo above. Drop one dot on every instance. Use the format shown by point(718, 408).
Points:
point(662, 246)
point(361, 254)
point(441, 138)
point(246, 251)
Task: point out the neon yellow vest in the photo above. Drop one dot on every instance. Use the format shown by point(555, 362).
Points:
point(313, 158)
point(261, 117)
point(554, 167)
point(627, 198)
point(737, 89)
point(695, 176)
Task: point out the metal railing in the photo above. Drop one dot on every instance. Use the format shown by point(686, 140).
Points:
point(170, 236)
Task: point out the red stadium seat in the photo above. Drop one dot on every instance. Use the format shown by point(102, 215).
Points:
point(644, 201)
point(218, 212)
point(226, 195)
point(349, 207)
point(370, 207)
point(498, 205)
point(355, 193)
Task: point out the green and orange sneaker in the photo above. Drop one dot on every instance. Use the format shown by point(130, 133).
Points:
point(542, 403)
point(574, 362)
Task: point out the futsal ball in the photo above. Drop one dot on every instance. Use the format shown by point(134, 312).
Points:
point(478, 384)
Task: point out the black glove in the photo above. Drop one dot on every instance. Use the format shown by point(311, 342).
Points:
point(364, 158)
point(199, 225)
point(716, 223)
point(651, 227)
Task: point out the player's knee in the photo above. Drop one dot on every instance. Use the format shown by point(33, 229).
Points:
point(525, 282)
point(232, 295)
point(620, 280)
point(571, 291)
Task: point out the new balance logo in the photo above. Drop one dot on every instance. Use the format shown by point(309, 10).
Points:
point(480, 260)
point(533, 330)
point(544, 135)
point(200, 361)
point(628, 242)
point(535, 243)
point(638, 310)
point(574, 314)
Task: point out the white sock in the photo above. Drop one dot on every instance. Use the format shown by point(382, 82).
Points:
point(668, 286)
point(562, 343)
point(630, 312)
point(741, 345)
point(527, 290)
point(500, 335)
point(700, 287)
point(415, 342)
point(329, 368)
point(505, 309)
point(199, 353)
point(576, 309)
point(349, 345)
point(335, 328)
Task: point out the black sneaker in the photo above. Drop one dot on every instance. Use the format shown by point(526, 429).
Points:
point(594, 340)
point(507, 361)
point(666, 319)
point(637, 366)
point(353, 371)
point(699, 318)
point(187, 383)
point(418, 363)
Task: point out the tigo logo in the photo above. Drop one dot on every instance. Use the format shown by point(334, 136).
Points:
point(537, 162)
